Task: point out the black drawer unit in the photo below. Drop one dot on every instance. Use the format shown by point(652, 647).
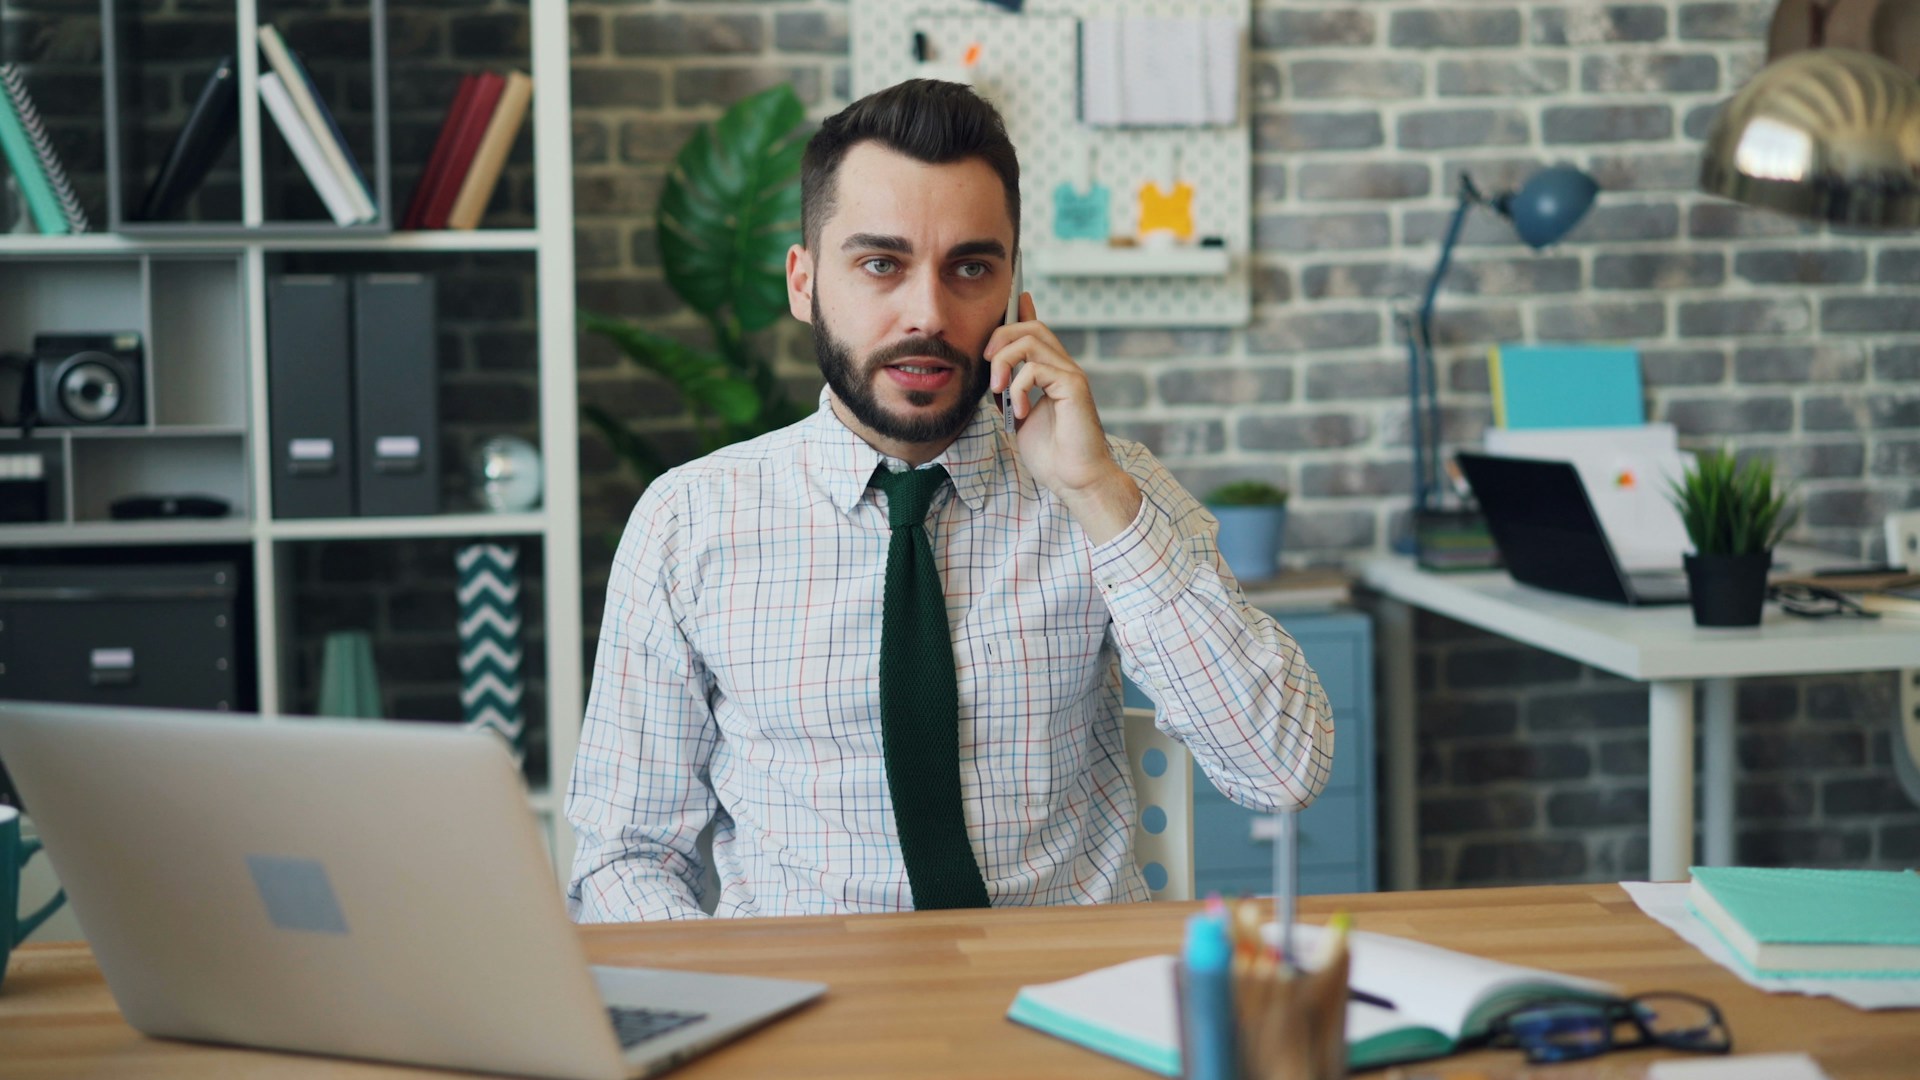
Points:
point(159, 635)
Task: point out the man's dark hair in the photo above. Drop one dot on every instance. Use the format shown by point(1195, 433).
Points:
point(926, 119)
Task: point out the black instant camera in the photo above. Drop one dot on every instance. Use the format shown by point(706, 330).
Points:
point(88, 380)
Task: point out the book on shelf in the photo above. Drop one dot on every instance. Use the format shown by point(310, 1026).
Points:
point(14, 87)
point(470, 126)
point(210, 127)
point(313, 112)
point(1898, 603)
point(1785, 921)
point(491, 156)
point(1441, 999)
point(1882, 591)
point(416, 213)
point(306, 150)
point(1318, 587)
point(16, 143)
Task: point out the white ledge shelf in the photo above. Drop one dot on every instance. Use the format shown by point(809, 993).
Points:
point(381, 528)
point(149, 531)
point(156, 243)
point(1094, 261)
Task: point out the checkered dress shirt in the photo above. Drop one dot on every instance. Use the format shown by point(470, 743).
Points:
point(736, 682)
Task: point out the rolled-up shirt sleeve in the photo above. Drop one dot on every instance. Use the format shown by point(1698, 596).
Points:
point(639, 795)
point(1229, 682)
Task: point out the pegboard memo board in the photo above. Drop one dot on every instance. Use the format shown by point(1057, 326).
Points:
point(1029, 68)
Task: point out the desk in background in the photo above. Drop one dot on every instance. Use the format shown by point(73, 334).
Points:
point(926, 994)
point(1659, 646)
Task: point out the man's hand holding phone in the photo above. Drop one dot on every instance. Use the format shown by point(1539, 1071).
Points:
point(1058, 437)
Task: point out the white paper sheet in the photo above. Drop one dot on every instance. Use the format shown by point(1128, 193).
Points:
point(1160, 72)
point(1666, 904)
point(1739, 1067)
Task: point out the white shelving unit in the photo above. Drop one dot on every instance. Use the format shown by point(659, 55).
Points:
point(200, 304)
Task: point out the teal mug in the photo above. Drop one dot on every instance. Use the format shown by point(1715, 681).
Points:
point(14, 853)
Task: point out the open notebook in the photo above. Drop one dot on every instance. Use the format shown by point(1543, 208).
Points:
point(1441, 999)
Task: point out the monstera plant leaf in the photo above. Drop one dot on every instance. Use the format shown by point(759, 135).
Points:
point(730, 209)
point(702, 376)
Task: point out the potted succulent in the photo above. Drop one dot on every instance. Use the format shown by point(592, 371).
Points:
point(1253, 520)
point(1734, 515)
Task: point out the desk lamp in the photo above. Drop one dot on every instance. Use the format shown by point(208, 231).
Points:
point(1830, 128)
point(1543, 210)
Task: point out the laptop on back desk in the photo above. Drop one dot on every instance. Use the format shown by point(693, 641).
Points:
point(361, 890)
point(1550, 537)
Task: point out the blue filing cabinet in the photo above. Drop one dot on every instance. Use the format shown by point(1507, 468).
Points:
point(1232, 851)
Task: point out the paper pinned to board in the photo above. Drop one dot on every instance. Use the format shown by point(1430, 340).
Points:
point(1628, 472)
point(1160, 72)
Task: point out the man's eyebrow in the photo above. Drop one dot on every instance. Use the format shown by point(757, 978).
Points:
point(877, 242)
point(977, 247)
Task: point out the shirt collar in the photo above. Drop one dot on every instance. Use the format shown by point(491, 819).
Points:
point(845, 462)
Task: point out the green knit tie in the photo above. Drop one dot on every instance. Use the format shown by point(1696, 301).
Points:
point(920, 704)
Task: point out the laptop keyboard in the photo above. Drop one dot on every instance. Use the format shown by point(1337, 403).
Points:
point(635, 1026)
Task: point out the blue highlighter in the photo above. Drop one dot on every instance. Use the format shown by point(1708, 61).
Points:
point(1207, 1050)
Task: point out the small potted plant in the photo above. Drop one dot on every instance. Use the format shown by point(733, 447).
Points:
point(1734, 515)
point(1253, 519)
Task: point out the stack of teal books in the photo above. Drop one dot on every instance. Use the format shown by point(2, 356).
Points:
point(1795, 923)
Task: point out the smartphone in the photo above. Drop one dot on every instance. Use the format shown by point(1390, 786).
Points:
point(1013, 316)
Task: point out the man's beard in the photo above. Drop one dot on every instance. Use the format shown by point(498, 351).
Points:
point(854, 385)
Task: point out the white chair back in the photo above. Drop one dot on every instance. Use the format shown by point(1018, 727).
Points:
point(1163, 788)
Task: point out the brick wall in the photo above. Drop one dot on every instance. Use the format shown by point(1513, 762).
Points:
point(1779, 338)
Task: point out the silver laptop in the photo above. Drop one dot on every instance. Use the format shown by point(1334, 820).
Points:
point(361, 890)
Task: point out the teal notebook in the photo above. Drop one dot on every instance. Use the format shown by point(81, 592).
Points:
point(1441, 998)
point(1565, 386)
point(17, 146)
point(1813, 923)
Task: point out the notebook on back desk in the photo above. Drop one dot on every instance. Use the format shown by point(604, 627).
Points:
point(361, 890)
point(1550, 537)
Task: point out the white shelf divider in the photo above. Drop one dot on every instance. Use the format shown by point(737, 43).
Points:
point(1095, 261)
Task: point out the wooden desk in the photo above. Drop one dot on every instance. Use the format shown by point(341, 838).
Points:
point(926, 995)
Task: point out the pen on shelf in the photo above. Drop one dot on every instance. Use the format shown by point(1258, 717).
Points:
point(1206, 1000)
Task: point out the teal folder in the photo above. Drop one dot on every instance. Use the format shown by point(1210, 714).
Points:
point(1566, 386)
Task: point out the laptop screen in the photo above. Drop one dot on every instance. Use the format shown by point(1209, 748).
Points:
point(1544, 525)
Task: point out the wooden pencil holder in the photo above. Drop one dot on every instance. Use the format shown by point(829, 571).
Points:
point(1293, 1026)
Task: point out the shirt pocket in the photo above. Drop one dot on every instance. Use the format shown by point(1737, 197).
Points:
point(1032, 708)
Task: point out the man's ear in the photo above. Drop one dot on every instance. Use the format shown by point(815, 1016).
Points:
point(800, 283)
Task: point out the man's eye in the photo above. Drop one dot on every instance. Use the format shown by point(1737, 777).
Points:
point(878, 267)
point(972, 271)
